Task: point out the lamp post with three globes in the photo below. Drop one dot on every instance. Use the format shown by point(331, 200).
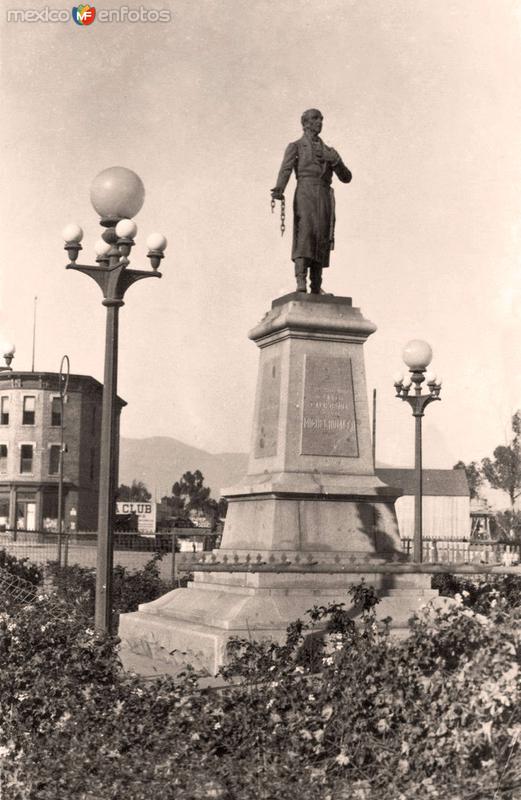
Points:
point(117, 195)
point(417, 355)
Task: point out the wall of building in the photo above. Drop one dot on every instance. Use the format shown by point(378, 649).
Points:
point(443, 517)
point(29, 499)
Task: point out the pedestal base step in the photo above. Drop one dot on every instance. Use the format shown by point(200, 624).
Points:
point(193, 625)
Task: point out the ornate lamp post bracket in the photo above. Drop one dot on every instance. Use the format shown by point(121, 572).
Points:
point(418, 401)
point(112, 275)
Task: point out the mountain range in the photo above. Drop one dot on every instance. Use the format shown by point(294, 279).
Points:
point(160, 461)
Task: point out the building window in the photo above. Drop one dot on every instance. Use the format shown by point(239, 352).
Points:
point(3, 459)
point(26, 458)
point(54, 459)
point(56, 412)
point(4, 510)
point(28, 411)
point(4, 411)
point(50, 509)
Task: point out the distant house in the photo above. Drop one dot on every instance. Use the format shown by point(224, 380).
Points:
point(446, 502)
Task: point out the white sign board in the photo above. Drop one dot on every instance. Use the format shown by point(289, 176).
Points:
point(145, 512)
point(189, 545)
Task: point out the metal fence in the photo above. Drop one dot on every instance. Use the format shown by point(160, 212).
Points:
point(465, 551)
point(178, 550)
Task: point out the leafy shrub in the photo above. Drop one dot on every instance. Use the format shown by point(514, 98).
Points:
point(138, 586)
point(436, 715)
point(74, 585)
point(480, 592)
point(21, 568)
point(19, 582)
point(77, 586)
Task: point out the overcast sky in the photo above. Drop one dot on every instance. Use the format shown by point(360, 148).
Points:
point(421, 99)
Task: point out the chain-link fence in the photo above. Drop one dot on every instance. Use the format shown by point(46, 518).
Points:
point(179, 550)
point(17, 592)
point(29, 567)
point(15, 589)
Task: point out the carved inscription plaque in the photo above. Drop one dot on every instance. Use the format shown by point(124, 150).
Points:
point(328, 418)
point(266, 431)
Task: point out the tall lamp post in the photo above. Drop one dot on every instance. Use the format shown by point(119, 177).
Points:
point(63, 386)
point(417, 355)
point(117, 195)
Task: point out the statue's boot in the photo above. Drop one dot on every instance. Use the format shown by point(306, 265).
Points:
point(300, 274)
point(315, 274)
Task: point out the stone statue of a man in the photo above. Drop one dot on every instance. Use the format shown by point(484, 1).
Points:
point(314, 202)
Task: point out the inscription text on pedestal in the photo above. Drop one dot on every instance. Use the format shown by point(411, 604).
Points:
point(328, 418)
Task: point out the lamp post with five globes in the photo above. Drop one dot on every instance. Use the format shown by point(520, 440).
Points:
point(417, 355)
point(117, 195)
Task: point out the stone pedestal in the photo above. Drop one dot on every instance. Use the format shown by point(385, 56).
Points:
point(310, 518)
point(311, 490)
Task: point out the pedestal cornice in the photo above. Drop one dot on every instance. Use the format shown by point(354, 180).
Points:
point(322, 317)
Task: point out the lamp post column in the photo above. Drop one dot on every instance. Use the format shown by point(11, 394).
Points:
point(60, 488)
point(64, 384)
point(418, 498)
point(107, 489)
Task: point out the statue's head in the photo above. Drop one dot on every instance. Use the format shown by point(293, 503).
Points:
point(312, 120)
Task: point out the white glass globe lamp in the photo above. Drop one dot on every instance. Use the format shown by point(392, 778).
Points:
point(417, 354)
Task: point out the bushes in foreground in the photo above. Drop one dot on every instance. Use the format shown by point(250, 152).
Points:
point(480, 592)
point(77, 586)
point(437, 715)
point(21, 568)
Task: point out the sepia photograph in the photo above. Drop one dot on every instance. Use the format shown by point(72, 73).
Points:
point(260, 517)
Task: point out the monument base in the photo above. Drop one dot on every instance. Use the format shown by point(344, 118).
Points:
point(308, 518)
point(193, 625)
point(310, 497)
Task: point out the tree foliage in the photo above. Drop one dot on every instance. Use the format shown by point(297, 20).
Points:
point(190, 494)
point(175, 505)
point(474, 476)
point(191, 490)
point(503, 471)
point(214, 510)
point(508, 524)
point(137, 492)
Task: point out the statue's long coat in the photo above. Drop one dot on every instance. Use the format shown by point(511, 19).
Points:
point(314, 203)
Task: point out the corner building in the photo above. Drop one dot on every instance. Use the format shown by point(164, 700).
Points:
point(30, 424)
